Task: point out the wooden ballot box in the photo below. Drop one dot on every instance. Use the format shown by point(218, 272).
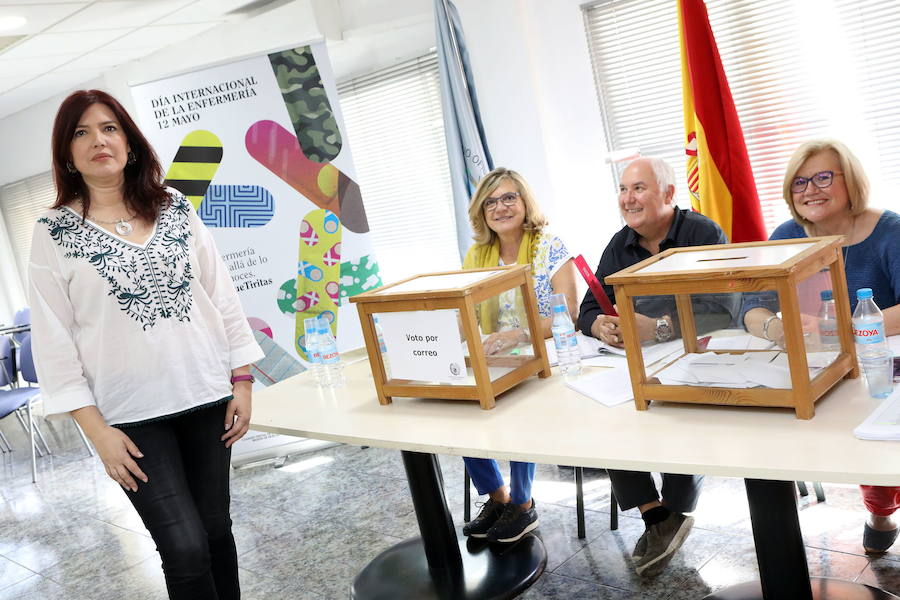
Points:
point(424, 335)
point(705, 290)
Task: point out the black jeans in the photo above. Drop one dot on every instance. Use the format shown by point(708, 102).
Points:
point(633, 488)
point(185, 503)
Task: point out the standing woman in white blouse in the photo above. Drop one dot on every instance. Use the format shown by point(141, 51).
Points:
point(139, 334)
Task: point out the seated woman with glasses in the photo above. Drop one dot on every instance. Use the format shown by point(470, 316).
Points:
point(509, 229)
point(827, 192)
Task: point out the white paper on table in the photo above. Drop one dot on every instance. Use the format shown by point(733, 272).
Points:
point(605, 360)
point(423, 345)
point(884, 422)
point(739, 342)
point(769, 375)
point(820, 360)
point(610, 387)
point(678, 373)
point(588, 347)
point(654, 353)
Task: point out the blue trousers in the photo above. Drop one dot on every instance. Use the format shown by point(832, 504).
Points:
point(486, 476)
point(185, 505)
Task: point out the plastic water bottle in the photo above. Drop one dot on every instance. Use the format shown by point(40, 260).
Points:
point(828, 333)
point(868, 324)
point(382, 348)
point(313, 350)
point(564, 338)
point(332, 367)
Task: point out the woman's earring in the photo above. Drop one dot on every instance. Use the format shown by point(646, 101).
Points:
point(131, 158)
point(71, 168)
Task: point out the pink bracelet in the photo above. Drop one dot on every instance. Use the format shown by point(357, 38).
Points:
point(236, 378)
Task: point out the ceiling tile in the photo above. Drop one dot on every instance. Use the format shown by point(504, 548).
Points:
point(53, 44)
point(39, 16)
point(42, 88)
point(33, 66)
point(7, 3)
point(8, 83)
point(157, 37)
point(118, 14)
point(106, 59)
point(203, 10)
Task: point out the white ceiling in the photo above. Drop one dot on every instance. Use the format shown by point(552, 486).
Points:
point(66, 43)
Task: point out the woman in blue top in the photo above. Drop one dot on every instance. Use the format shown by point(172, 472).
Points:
point(826, 190)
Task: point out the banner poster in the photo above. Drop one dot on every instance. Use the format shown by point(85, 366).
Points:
point(258, 147)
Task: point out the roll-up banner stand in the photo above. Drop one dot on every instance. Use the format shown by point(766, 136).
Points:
point(258, 147)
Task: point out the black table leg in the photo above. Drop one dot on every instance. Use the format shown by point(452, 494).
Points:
point(440, 564)
point(784, 574)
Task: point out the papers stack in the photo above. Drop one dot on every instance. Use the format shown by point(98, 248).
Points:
point(884, 422)
point(595, 353)
point(753, 369)
point(590, 348)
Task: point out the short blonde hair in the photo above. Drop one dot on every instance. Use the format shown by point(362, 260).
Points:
point(855, 179)
point(534, 218)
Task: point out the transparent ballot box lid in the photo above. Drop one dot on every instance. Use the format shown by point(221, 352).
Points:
point(757, 316)
point(462, 334)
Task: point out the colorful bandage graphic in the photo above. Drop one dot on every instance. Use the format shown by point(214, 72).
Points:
point(278, 150)
point(359, 276)
point(286, 297)
point(236, 206)
point(319, 269)
point(307, 103)
point(195, 164)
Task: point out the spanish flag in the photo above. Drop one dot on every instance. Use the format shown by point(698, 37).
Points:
point(718, 168)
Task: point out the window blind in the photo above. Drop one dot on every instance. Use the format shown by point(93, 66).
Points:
point(788, 86)
point(22, 203)
point(396, 133)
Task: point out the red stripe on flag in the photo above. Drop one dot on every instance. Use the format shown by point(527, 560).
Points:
point(714, 107)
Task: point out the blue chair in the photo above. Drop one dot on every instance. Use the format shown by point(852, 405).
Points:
point(22, 317)
point(17, 400)
point(29, 374)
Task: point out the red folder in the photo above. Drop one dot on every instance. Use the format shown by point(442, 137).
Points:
point(595, 286)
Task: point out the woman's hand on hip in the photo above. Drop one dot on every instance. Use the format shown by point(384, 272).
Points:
point(116, 451)
point(237, 414)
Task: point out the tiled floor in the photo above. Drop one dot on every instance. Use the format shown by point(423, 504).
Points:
point(305, 529)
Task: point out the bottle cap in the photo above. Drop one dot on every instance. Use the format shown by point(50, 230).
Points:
point(558, 303)
point(863, 293)
point(826, 295)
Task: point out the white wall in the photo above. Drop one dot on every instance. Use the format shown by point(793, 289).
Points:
point(539, 106)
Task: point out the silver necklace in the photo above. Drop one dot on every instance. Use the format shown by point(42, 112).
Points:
point(849, 241)
point(122, 225)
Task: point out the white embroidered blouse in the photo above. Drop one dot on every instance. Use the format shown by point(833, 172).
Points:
point(141, 331)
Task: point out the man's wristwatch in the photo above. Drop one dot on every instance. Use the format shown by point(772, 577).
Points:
point(237, 378)
point(664, 330)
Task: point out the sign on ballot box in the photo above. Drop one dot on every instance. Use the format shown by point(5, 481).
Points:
point(786, 357)
point(424, 345)
point(425, 335)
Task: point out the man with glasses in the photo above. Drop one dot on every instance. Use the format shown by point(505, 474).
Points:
point(653, 224)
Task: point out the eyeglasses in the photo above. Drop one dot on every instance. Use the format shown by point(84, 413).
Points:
point(508, 199)
point(821, 180)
